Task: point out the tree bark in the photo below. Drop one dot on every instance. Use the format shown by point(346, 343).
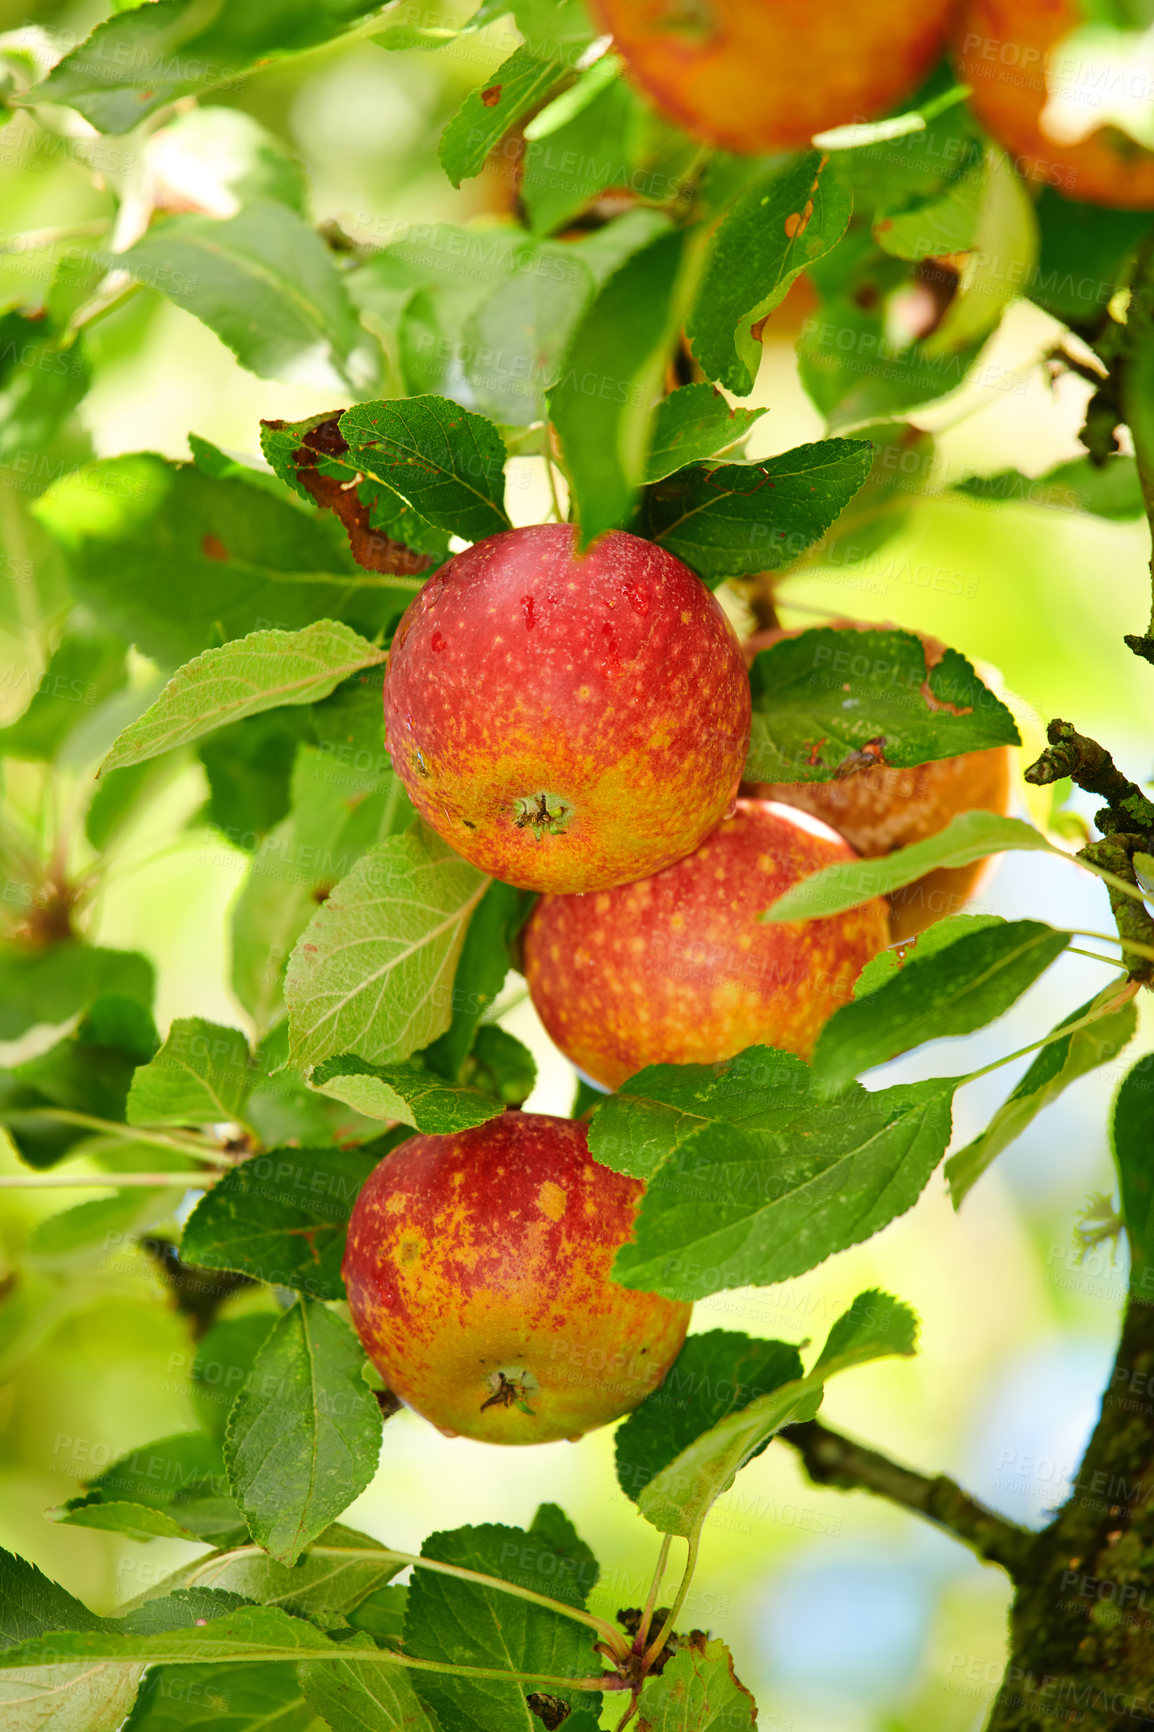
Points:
point(1082, 1622)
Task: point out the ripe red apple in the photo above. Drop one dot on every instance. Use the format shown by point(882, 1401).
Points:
point(567, 723)
point(880, 809)
point(762, 75)
point(679, 969)
point(478, 1272)
point(1009, 54)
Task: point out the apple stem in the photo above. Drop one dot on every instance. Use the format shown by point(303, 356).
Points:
point(553, 494)
point(612, 1637)
point(654, 1590)
point(659, 1640)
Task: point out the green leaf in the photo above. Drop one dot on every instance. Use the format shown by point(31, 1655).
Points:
point(344, 797)
point(1083, 256)
point(1111, 490)
point(138, 61)
point(821, 698)
point(249, 766)
point(305, 1432)
point(447, 462)
point(1132, 1138)
point(467, 1624)
point(952, 991)
point(968, 837)
point(519, 84)
point(610, 376)
point(221, 1698)
point(698, 1691)
point(408, 1092)
point(1053, 1070)
point(514, 342)
point(312, 459)
point(943, 223)
point(692, 423)
point(223, 1360)
point(678, 1498)
point(713, 1375)
point(202, 1075)
point(247, 562)
point(486, 957)
point(742, 518)
point(652, 1114)
point(91, 1228)
point(68, 1698)
point(54, 984)
point(281, 1217)
point(331, 1580)
point(42, 379)
point(88, 1071)
point(259, 672)
point(562, 170)
point(120, 1517)
point(778, 226)
point(736, 1206)
point(181, 1477)
point(372, 972)
point(261, 1634)
point(85, 669)
point(501, 1066)
point(265, 282)
point(32, 1604)
point(354, 1695)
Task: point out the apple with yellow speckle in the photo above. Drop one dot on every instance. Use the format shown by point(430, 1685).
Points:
point(567, 722)
point(478, 1273)
point(680, 969)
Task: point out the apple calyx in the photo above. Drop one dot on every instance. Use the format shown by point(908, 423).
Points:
point(545, 814)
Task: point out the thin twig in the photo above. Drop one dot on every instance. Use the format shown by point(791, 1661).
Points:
point(833, 1460)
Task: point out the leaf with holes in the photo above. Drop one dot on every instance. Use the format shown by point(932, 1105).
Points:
point(778, 226)
point(447, 462)
point(828, 702)
point(519, 85)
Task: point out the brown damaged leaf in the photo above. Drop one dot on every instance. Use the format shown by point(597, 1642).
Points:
point(370, 549)
point(698, 1691)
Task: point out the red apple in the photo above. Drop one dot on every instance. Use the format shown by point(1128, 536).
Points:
point(478, 1272)
point(567, 723)
point(880, 808)
point(762, 75)
point(679, 969)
